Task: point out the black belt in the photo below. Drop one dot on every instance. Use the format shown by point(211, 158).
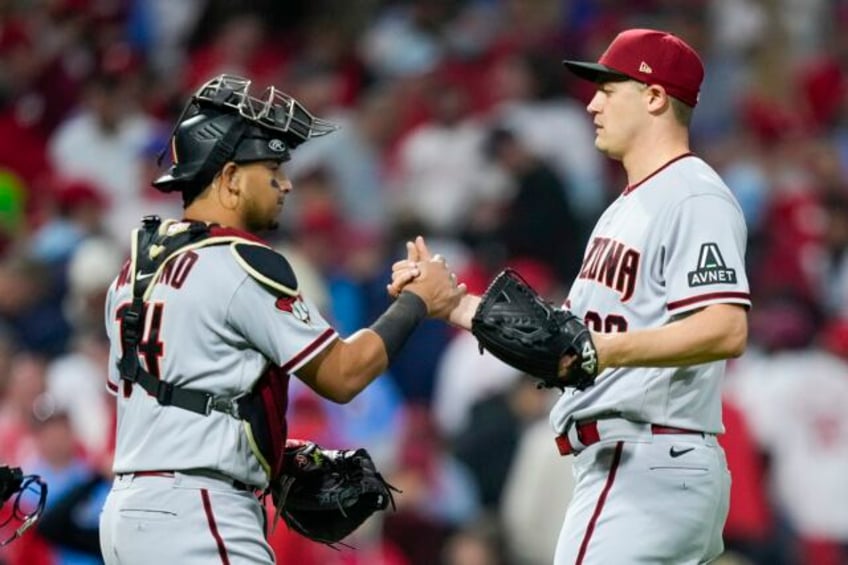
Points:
point(238, 485)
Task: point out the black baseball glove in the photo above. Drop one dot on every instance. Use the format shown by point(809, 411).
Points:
point(326, 494)
point(518, 327)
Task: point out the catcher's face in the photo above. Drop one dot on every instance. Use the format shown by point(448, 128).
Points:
point(265, 188)
point(620, 114)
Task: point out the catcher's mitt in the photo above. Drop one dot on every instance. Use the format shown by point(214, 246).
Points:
point(326, 494)
point(521, 329)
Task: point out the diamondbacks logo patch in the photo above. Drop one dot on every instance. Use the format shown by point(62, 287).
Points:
point(711, 268)
point(294, 306)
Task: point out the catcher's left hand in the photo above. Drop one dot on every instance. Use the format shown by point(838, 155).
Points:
point(326, 494)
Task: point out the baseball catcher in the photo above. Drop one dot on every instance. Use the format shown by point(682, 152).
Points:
point(208, 326)
point(518, 327)
point(326, 494)
point(24, 511)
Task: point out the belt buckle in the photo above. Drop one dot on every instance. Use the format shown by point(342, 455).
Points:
point(228, 406)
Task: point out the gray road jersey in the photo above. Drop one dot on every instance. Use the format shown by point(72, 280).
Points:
point(667, 246)
point(209, 326)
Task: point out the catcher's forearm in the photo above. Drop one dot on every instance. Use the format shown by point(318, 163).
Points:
point(461, 315)
point(343, 369)
point(717, 332)
point(349, 365)
point(399, 320)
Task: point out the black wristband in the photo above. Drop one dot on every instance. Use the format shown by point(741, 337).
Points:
point(399, 320)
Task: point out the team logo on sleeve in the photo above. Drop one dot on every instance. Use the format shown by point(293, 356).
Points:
point(294, 306)
point(711, 268)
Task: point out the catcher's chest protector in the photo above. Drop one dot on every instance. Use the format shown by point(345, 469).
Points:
point(262, 409)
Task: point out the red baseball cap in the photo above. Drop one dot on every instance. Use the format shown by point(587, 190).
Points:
point(651, 57)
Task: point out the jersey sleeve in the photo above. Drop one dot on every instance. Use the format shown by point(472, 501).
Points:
point(704, 251)
point(288, 330)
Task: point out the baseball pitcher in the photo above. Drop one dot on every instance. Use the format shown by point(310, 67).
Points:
point(639, 347)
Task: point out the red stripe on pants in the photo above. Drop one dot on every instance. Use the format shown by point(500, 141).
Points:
point(207, 506)
point(590, 529)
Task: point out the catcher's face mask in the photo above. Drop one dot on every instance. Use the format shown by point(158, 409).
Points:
point(23, 498)
point(224, 122)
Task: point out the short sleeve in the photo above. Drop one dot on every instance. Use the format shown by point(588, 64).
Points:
point(704, 251)
point(288, 330)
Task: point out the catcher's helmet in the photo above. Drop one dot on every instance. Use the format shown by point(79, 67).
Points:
point(223, 122)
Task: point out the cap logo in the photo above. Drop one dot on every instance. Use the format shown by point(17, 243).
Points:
point(645, 68)
point(276, 145)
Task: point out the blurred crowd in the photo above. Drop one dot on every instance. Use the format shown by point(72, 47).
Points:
point(458, 123)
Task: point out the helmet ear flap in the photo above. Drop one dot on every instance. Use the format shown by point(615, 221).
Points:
point(200, 145)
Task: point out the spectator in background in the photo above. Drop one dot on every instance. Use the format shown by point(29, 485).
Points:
point(803, 381)
point(531, 510)
point(29, 306)
point(750, 529)
point(488, 443)
point(355, 157)
point(238, 44)
point(24, 381)
point(476, 544)
point(465, 377)
point(60, 465)
point(77, 379)
point(530, 90)
point(44, 54)
point(114, 131)
point(537, 222)
point(404, 39)
point(439, 493)
point(72, 522)
point(441, 170)
point(834, 264)
point(160, 29)
point(79, 208)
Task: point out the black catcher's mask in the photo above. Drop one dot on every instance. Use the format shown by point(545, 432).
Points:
point(22, 500)
point(223, 122)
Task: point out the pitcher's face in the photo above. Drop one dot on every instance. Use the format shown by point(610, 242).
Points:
point(619, 111)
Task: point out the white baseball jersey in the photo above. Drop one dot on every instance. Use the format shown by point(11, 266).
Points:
point(671, 244)
point(208, 326)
